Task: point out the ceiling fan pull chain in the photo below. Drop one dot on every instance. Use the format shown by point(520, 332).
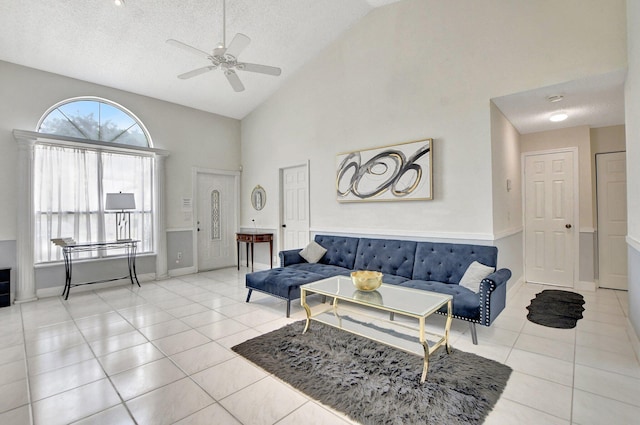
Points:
point(224, 23)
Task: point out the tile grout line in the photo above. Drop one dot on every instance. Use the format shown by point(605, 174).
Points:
point(26, 368)
point(122, 401)
point(167, 356)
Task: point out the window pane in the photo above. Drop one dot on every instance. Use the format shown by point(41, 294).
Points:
point(113, 122)
point(95, 120)
point(133, 136)
point(130, 174)
point(68, 203)
point(70, 184)
point(85, 115)
point(56, 123)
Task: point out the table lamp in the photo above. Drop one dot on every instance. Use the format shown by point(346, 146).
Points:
point(121, 202)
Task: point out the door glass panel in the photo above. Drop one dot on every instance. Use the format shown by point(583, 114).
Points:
point(215, 215)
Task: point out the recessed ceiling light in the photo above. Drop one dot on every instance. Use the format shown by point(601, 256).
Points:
point(555, 98)
point(119, 2)
point(559, 116)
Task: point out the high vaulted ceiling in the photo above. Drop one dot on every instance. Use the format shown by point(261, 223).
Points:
point(125, 47)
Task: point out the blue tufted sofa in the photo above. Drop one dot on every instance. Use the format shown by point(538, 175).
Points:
point(430, 266)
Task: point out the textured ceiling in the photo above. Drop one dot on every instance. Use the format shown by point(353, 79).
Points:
point(596, 101)
point(125, 48)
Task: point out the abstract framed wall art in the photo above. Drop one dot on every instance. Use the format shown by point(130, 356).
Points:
point(402, 172)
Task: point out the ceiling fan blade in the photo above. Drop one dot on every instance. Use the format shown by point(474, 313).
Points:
point(195, 72)
point(234, 80)
point(188, 48)
point(237, 45)
point(261, 69)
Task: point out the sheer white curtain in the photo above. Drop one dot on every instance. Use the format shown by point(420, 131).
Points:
point(130, 174)
point(69, 189)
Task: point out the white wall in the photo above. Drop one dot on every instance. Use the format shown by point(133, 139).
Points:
point(417, 69)
point(632, 112)
point(194, 138)
point(507, 204)
point(506, 165)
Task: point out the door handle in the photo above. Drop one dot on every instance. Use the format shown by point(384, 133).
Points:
point(284, 225)
point(568, 226)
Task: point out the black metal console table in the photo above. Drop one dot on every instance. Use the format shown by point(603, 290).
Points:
point(130, 247)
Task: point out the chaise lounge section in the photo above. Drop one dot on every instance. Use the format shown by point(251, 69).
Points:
point(431, 266)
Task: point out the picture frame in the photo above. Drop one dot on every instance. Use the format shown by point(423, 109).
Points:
point(258, 198)
point(400, 172)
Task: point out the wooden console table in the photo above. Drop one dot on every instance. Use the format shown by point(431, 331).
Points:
point(250, 239)
point(130, 247)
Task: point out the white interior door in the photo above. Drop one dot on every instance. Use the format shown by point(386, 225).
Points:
point(294, 210)
point(550, 243)
point(216, 220)
point(612, 219)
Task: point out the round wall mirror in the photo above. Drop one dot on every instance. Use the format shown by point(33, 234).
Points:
point(258, 197)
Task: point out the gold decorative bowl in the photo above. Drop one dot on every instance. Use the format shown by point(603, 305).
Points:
point(365, 280)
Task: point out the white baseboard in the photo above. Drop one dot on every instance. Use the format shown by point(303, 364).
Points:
point(582, 285)
point(56, 291)
point(182, 271)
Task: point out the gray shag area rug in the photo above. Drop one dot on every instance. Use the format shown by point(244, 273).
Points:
point(556, 309)
point(376, 384)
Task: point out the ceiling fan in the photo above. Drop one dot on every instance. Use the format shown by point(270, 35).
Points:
point(226, 58)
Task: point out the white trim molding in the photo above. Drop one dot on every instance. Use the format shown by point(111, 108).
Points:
point(508, 232)
point(582, 285)
point(183, 271)
point(55, 291)
point(413, 234)
point(160, 217)
point(34, 136)
point(25, 274)
point(633, 243)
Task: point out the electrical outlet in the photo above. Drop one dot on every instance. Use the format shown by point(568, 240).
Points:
point(179, 255)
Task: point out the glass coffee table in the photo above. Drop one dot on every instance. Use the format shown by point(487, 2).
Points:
point(392, 299)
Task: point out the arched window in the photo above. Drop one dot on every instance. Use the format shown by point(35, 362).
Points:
point(93, 118)
point(103, 149)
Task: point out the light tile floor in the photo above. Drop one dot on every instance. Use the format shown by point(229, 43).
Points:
point(161, 354)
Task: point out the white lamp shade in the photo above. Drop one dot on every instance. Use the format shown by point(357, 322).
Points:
point(120, 201)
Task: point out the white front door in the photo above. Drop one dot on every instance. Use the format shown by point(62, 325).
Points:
point(294, 210)
point(612, 219)
point(550, 243)
point(216, 220)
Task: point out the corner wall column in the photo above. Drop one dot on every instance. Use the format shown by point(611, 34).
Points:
point(25, 277)
point(161, 230)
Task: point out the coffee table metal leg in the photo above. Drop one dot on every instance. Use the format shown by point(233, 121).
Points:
point(447, 327)
point(303, 301)
point(335, 312)
point(425, 346)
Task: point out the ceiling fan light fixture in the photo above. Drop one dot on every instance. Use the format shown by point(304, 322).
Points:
point(225, 57)
point(558, 117)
